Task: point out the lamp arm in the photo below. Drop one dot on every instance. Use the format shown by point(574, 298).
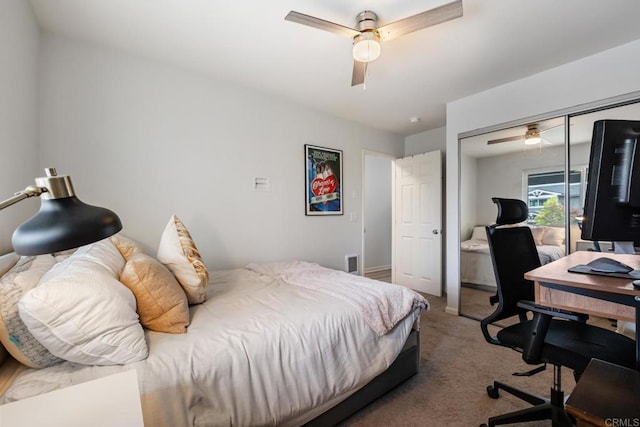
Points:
point(30, 191)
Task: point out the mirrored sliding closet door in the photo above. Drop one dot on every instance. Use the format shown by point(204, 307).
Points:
point(544, 163)
point(525, 162)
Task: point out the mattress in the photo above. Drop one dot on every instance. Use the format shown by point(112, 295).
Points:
point(259, 351)
point(476, 266)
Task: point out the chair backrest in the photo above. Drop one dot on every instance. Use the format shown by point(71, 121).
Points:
point(513, 253)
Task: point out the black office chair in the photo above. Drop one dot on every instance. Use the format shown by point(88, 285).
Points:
point(548, 335)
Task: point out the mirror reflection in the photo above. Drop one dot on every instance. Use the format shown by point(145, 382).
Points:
point(525, 162)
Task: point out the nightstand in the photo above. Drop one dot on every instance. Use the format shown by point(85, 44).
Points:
point(606, 395)
point(111, 401)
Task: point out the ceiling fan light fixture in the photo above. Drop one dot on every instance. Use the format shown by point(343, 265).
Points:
point(532, 136)
point(367, 34)
point(366, 46)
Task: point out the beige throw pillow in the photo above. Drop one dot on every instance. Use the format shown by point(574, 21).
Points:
point(161, 302)
point(538, 234)
point(178, 252)
point(126, 246)
point(553, 236)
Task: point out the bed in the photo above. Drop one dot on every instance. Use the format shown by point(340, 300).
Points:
point(288, 343)
point(476, 267)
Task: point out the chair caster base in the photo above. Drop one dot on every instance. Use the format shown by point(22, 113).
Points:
point(493, 392)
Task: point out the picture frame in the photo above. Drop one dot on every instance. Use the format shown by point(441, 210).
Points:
point(323, 181)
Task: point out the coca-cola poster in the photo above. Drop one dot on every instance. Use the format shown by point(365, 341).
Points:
point(323, 180)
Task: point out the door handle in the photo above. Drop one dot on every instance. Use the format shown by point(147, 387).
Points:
point(434, 231)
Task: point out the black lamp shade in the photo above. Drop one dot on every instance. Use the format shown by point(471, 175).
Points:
point(62, 224)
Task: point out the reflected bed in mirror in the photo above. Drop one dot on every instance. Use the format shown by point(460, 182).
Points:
point(476, 267)
point(504, 164)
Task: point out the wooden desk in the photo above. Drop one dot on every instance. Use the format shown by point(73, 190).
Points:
point(607, 297)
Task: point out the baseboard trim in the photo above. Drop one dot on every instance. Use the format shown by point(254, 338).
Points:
point(377, 268)
point(488, 288)
point(451, 310)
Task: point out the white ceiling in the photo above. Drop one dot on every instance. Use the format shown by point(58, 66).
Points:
point(248, 42)
point(552, 132)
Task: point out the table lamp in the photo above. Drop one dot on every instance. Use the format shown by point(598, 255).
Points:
point(63, 221)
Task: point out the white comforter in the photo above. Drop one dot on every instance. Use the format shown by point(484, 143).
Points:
point(546, 253)
point(381, 305)
point(259, 352)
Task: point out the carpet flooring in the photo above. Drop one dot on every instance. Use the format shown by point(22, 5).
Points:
point(456, 366)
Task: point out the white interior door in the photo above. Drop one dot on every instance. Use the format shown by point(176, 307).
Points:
point(417, 222)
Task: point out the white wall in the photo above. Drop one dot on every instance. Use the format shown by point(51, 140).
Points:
point(607, 74)
point(501, 176)
point(424, 142)
point(468, 195)
point(509, 181)
point(19, 44)
point(148, 140)
point(377, 207)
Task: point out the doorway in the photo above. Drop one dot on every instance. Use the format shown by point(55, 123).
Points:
point(376, 216)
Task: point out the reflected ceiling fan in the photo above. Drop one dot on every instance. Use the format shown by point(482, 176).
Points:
point(532, 136)
point(367, 35)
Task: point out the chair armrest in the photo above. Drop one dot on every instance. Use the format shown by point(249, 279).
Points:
point(555, 312)
point(542, 316)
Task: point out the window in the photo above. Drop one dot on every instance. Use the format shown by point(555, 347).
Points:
point(546, 195)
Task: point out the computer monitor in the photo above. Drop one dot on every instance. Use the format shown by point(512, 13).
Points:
point(612, 204)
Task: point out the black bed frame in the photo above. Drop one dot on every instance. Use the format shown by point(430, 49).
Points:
point(404, 367)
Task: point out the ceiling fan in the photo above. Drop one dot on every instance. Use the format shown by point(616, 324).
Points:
point(367, 35)
point(532, 136)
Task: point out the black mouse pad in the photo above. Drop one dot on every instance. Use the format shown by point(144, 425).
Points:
point(585, 269)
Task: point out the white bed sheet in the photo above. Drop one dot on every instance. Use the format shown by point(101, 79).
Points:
point(258, 352)
point(476, 268)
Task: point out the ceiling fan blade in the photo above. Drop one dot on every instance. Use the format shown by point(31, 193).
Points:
point(507, 139)
point(552, 127)
point(321, 24)
point(359, 71)
point(422, 20)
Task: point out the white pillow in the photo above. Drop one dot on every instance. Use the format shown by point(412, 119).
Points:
point(7, 261)
point(14, 334)
point(80, 311)
point(179, 254)
point(479, 233)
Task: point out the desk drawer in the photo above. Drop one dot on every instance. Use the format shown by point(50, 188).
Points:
point(593, 306)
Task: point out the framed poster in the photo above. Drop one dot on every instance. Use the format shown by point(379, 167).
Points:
point(323, 181)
